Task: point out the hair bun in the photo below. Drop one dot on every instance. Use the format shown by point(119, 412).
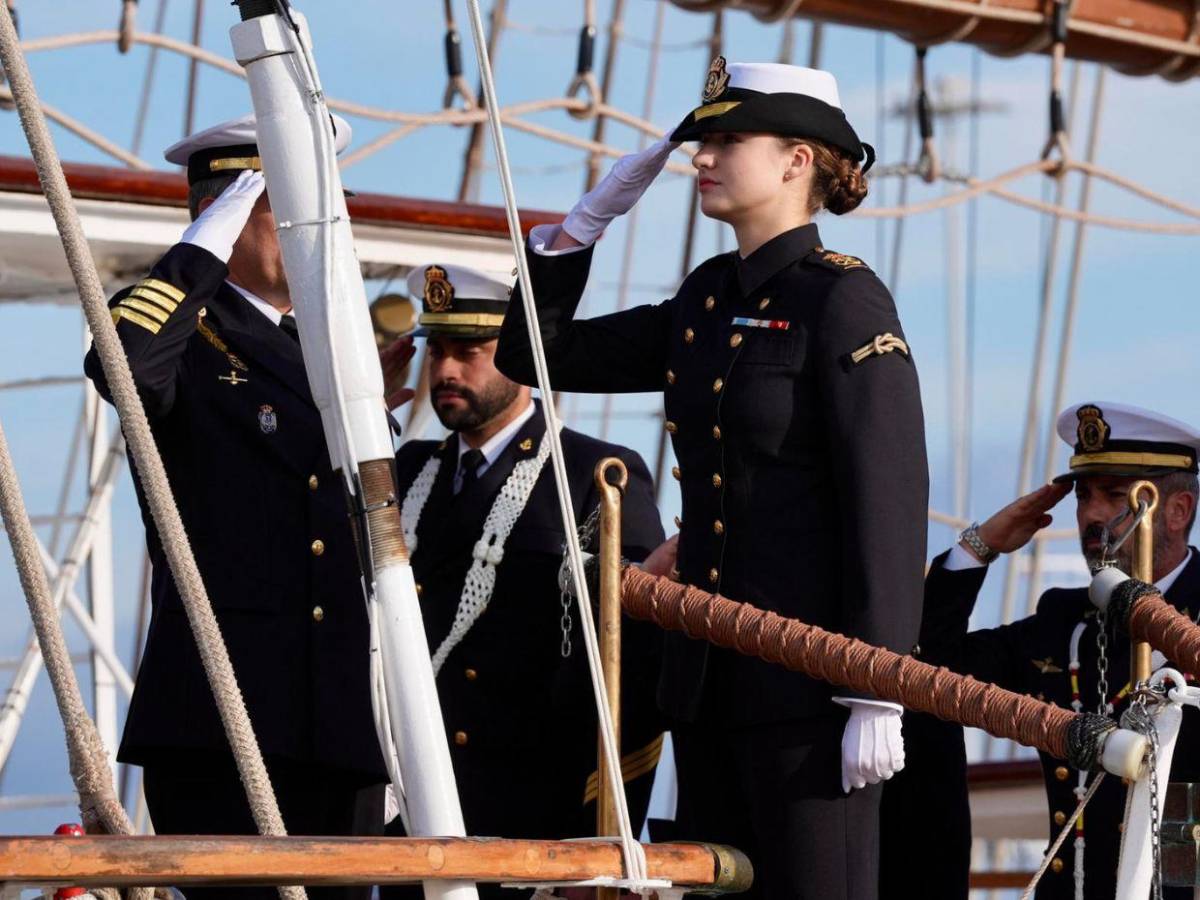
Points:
point(846, 189)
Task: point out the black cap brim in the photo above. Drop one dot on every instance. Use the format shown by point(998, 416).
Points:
point(787, 115)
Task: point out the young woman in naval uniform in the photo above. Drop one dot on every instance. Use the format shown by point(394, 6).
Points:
point(792, 403)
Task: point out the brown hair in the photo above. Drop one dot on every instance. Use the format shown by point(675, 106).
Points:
point(838, 183)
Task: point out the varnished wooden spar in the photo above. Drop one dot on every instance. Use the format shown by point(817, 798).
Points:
point(93, 182)
point(1136, 36)
point(97, 861)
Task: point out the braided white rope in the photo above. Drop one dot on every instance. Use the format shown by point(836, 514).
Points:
point(489, 550)
point(415, 499)
point(632, 853)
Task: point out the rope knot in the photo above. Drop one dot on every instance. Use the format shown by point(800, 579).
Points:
point(488, 553)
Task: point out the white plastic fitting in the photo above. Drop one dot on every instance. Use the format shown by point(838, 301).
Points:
point(1103, 584)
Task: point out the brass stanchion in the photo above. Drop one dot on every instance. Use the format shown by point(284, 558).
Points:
point(610, 633)
point(1143, 569)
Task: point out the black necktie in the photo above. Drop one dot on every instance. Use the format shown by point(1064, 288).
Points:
point(470, 462)
point(288, 324)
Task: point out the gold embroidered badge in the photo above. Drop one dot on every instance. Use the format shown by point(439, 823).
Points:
point(1093, 430)
point(439, 292)
point(1046, 666)
point(843, 260)
point(716, 81)
point(526, 444)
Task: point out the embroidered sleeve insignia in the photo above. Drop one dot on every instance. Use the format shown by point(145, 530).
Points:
point(878, 346)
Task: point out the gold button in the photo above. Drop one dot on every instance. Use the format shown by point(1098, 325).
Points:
point(678, 522)
point(1061, 773)
point(460, 738)
point(916, 650)
point(1060, 818)
point(718, 527)
point(717, 385)
point(688, 335)
point(420, 589)
point(716, 479)
point(735, 341)
point(717, 432)
point(714, 576)
point(671, 427)
point(710, 303)
point(670, 377)
point(1056, 865)
point(318, 614)
point(318, 547)
point(470, 674)
point(675, 471)
point(313, 484)
point(764, 302)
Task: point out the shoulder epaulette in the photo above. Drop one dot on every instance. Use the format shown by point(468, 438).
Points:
point(837, 262)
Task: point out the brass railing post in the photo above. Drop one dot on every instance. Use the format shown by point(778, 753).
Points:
point(610, 631)
point(1143, 570)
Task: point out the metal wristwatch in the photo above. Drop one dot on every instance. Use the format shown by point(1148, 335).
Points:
point(970, 537)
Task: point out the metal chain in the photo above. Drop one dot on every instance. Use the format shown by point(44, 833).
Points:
point(1104, 707)
point(1139, 719)
point(587, 533)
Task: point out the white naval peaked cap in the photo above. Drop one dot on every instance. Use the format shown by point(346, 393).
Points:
point(779, 78)
point(1120, 439)
point(458, 301)
point(240, 132)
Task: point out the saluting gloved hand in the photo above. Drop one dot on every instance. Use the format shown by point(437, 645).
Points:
point(617, 192)
point(219, 226)
point(872, 746)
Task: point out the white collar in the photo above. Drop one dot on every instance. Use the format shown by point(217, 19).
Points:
point(258, 303)
point(1164, 584)
point(499, 441)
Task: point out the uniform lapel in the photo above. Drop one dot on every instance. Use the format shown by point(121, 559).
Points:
point(259, 340)
point(432, 528)
point(1184, 594)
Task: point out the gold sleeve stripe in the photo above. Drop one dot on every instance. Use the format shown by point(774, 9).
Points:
point(633, 765)
point(136, 318)
point(168, 305)
point(154, 312)
point(163, 288)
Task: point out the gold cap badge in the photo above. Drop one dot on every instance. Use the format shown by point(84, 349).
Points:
point(439, 292)
point(716, 81)
point(1093, 430)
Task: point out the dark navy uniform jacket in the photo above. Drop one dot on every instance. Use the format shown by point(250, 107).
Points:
point(241, 439)
point(1032, 656)
point(803, 472)
point(520, 718)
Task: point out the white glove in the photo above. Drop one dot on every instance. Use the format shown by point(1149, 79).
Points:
point(617, 192)
point(872, 746)
point(218, 227)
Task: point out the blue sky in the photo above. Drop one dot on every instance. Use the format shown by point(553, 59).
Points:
point(1138, 321)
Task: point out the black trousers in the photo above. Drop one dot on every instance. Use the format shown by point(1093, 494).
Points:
point(202, 794)
point(775, 793)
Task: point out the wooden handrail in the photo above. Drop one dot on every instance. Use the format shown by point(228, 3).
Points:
point(96, 861)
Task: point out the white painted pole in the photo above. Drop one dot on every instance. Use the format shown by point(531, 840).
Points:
point(295, 142)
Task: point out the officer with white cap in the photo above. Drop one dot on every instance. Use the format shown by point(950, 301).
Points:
point(214, 352)
point(485, 535)
point(793, 406)
point(1052, 654)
